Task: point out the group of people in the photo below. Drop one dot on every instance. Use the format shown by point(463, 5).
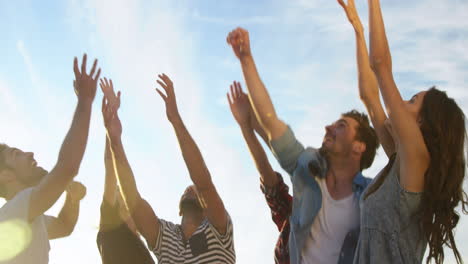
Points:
point(334, 214)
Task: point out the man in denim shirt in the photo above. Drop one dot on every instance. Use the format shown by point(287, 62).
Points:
point(327, 182)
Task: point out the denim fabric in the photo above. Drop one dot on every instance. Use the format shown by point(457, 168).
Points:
point(303, 165)
point(390, 231)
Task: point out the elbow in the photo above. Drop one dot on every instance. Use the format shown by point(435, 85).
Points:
point(69, 231)
point(268, 122)
point(380, 64)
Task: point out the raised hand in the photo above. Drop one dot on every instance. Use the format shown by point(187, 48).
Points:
point(240, 105)
point(111, 120)
point(85, 84)
point(352, 15)
point(169, 98)
point(76, 191)
point(240, 43)
point(107, 88)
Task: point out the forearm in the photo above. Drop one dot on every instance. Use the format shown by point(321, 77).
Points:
point(70, 156)
point(258, 128)
point(68, 216)
point(368, 85)
point(258, 94)
point(125, 175)
point(110, 183)
point(192, 156)
point(74, 145)
point(268, 176)
point(369, 94)
point(381, 60)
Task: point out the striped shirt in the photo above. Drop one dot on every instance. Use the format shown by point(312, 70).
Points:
point(206, 245)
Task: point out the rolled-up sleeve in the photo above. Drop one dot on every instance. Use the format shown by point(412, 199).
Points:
point(287, 150)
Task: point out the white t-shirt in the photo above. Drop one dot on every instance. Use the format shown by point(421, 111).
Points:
point(334, 220)
point(22, 242)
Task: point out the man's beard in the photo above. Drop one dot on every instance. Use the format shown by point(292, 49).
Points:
point(190, 206)
point(323, 151)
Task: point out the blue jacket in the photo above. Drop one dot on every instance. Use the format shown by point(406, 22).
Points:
point(303, 165)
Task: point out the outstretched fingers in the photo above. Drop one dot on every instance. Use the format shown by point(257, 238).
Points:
point(76, 70)
point(93, 69)
point(163, 96)
point(83, 64)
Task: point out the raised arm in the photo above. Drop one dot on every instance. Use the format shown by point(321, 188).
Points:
point(73, 147)
point(142, 214)
point(413, 152)
point(241, 110)
point(110, 182)
point(64, 224)
point(262, 104)
point(368, 85)
point(198, 171)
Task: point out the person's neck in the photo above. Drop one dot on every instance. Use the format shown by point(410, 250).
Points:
point(340, 176)
point(13, 189)
point(190, 223)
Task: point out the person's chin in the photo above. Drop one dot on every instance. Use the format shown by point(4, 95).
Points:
point(40, 174)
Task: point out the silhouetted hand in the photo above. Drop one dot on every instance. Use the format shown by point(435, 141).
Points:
point(169, 98)
point(239, 104)
point(240, 43)
point(107, 88)
point(85, 84)
point(352, 15)
point(111, 119)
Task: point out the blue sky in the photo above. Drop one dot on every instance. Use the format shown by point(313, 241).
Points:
point(304, 50)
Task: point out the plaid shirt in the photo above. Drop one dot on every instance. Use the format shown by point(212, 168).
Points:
point(280, 203)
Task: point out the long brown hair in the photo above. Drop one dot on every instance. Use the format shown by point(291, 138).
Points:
point(443, 129)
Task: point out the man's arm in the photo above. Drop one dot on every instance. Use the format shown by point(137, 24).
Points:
point(142, 214)
point(110, 182)
point(241, 110)
point(261, 102)
point(368, 85)
point(413, 153)
point(64, 224)
point(198, 171)
point(71, 153)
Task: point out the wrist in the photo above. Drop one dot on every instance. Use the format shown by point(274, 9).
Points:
point(115, 141)
point(72, 200)
point(245, 126)
point(176, 120)
point(85, 101)
point(246, 59)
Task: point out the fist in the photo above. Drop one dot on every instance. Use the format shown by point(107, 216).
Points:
point(76, 191)
point(240, 43)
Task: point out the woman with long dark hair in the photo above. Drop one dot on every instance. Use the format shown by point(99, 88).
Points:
point(411, 203)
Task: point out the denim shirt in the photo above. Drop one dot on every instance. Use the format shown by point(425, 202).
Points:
point(307, 196)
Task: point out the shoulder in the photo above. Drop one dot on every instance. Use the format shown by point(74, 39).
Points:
point(18, 206)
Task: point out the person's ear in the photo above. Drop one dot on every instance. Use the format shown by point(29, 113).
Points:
point(359, 147)
point(6, 175)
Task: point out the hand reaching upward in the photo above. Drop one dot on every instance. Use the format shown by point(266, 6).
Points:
point(352, 15)
point(169, 98)
point(111, 120)
point(107, 88)
point(85, 84)
point(240, 105)
point(240, 43)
